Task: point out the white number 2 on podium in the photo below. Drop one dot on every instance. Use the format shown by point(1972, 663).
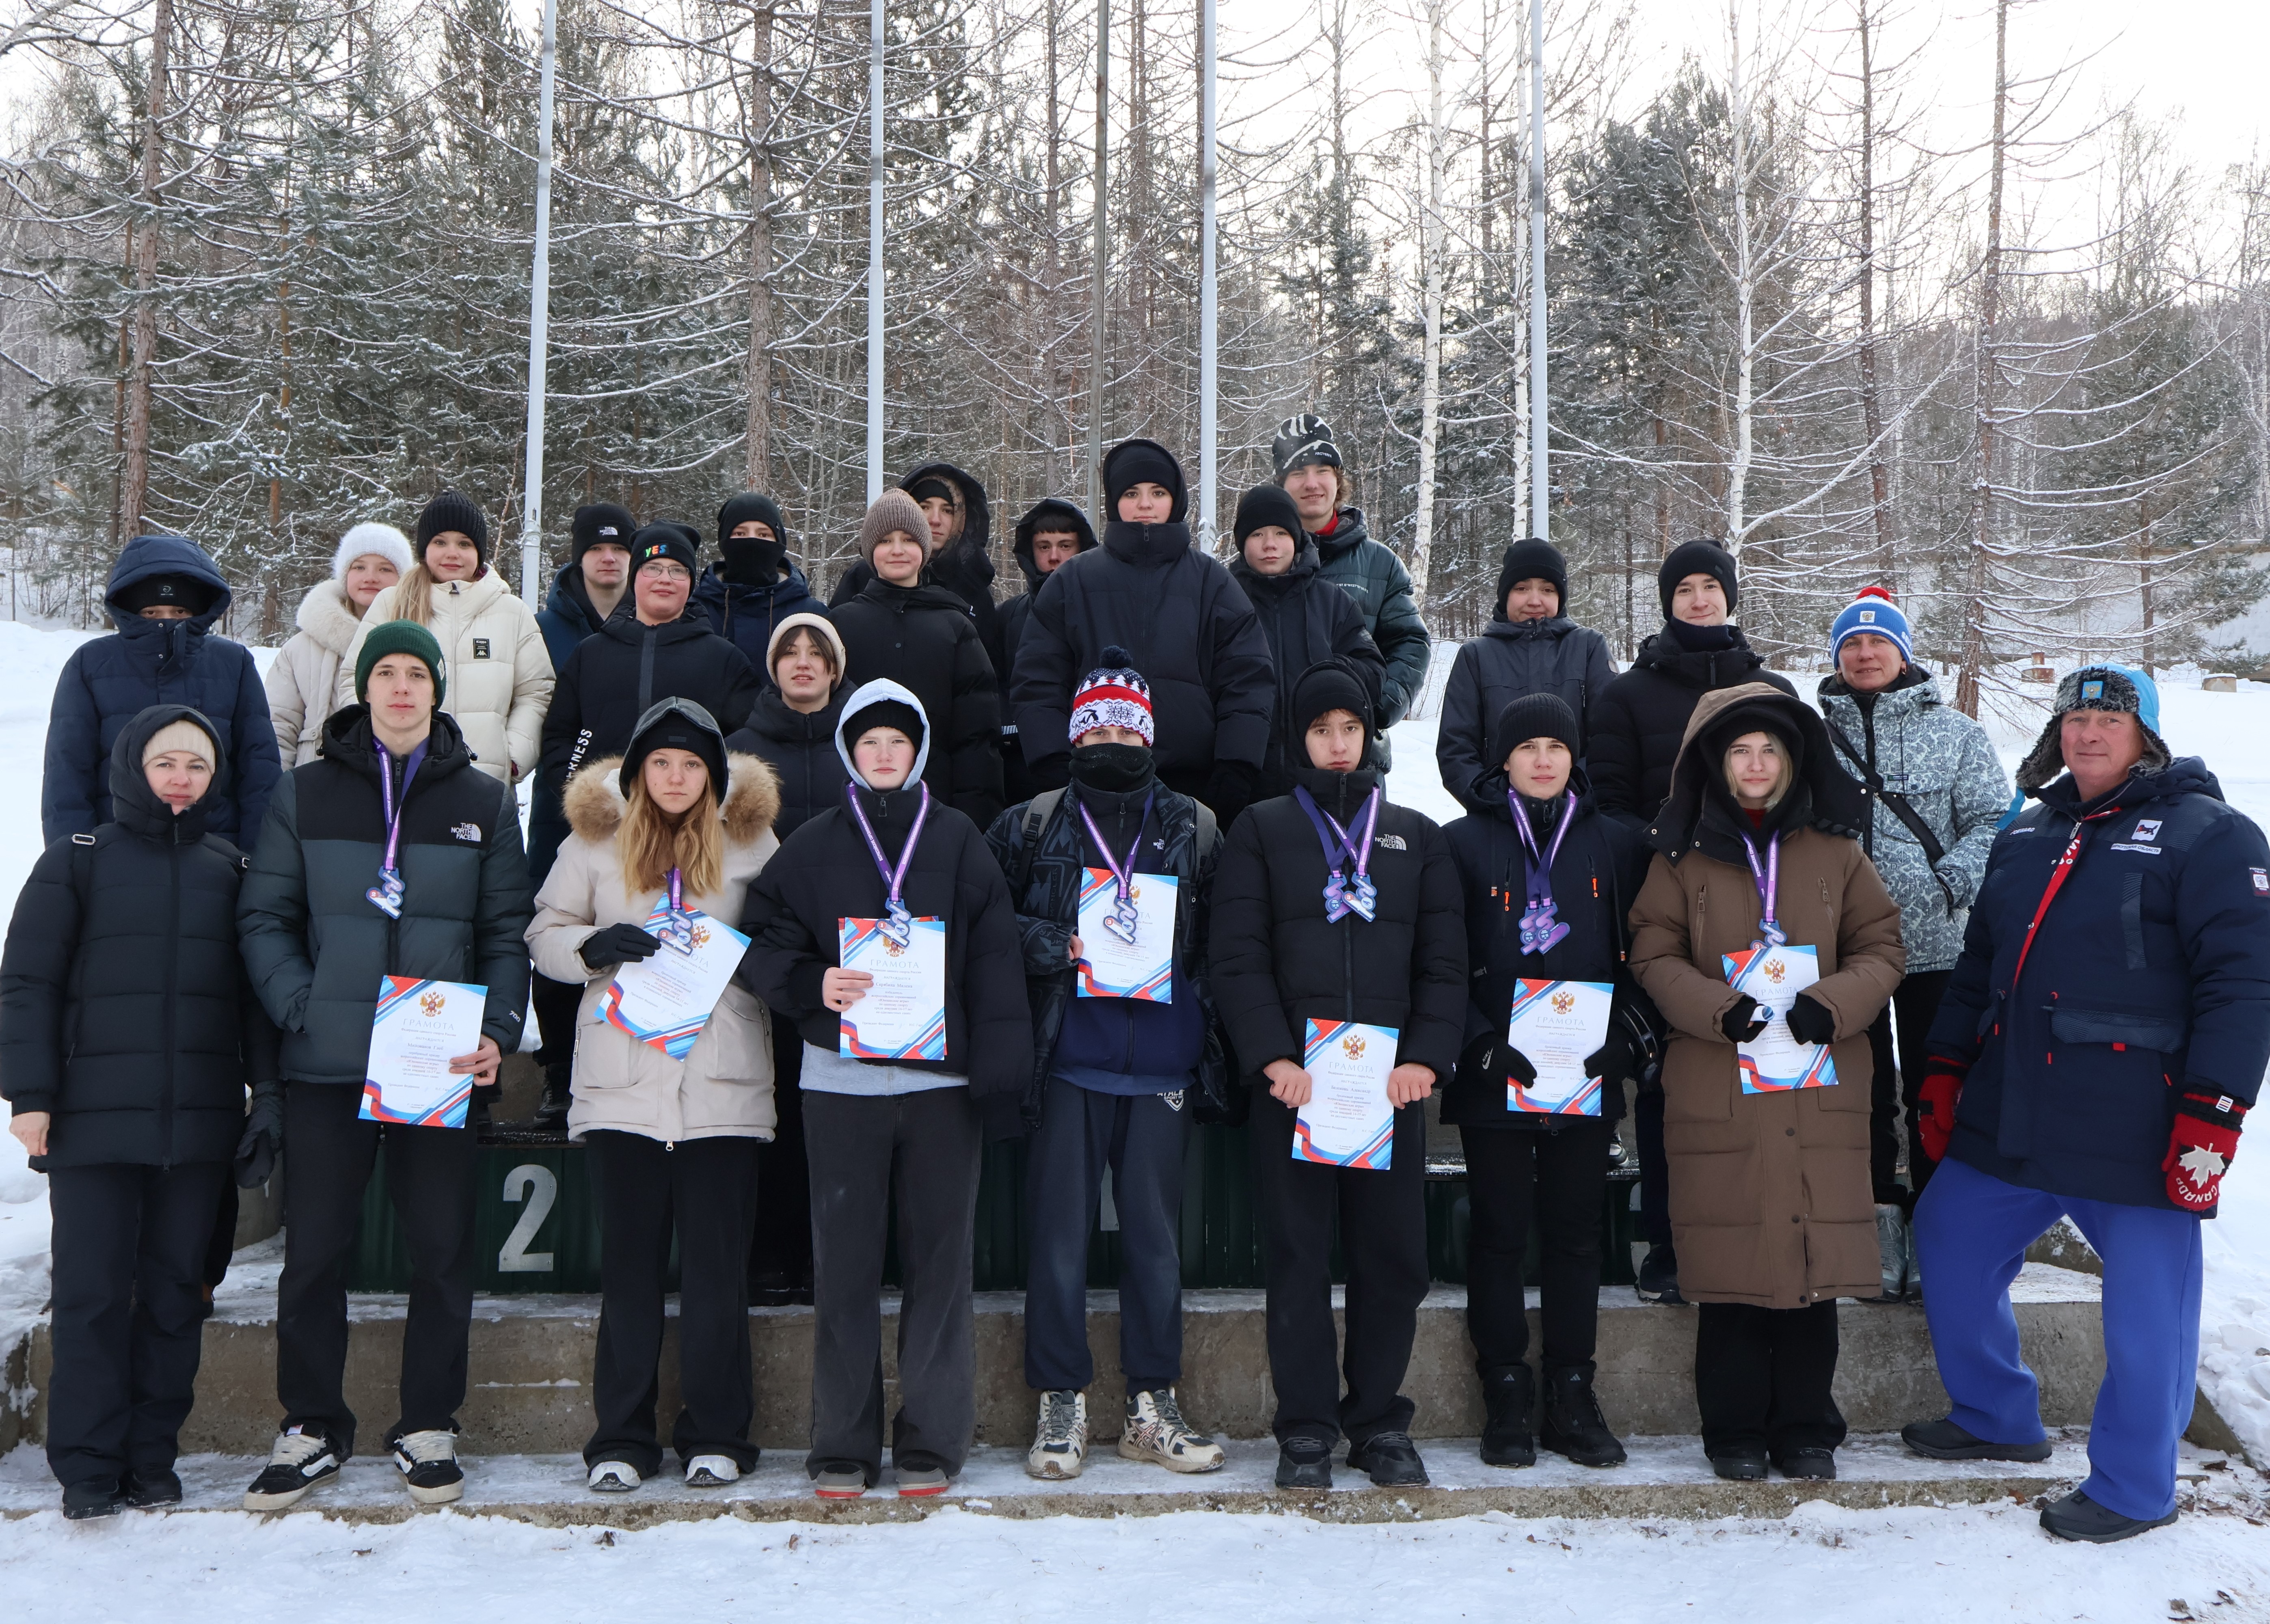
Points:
point(539, 1188)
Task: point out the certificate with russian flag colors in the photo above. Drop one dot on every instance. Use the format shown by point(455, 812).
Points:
point(420, 1028)
point(1774, 1062)
point(902, 1015)
point(1557, 1024)
point(1347, 1122)
point(1118, 963)
point(666, 998)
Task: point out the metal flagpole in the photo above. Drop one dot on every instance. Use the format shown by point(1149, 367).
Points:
point(1208, 351)
point(1540, 480)
point(875, 251)
point(539, 314)
point(1103, 264)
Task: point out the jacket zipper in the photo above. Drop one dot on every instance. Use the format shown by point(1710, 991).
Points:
point(172, 990)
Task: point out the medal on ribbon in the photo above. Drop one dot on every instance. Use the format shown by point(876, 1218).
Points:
point(1768, 876)
point(1344, 896)
point(677, 924)
point(1126, 916)
point(386, 896)
point(1541, 929)
point(897, 923)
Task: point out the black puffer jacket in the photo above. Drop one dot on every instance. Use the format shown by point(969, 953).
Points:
point(1306, 620)
point(614, 679)
point(124, 1010)
point(1017, 780)
point(1510, 659)
point(1637, 724)
point(922, 638)
point(1192, 631)
point(1597, 873)
point(314, 944)
point(964, 568)
point(800, 748)
point(1276, 963)
point(824, 873)
point(1045, 876)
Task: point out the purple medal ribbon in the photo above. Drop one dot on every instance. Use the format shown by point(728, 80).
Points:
point(1541, 928)
point(1124, 915)
point(900, 925)
point(1341, 898)
point(677, 925)
point(386, 896)
point(1767, 876)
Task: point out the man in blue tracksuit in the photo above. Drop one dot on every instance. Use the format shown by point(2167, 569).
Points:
point(2095, 1056)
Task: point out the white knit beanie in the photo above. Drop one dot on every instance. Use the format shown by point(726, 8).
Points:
point(383, 540)
point(181, 734)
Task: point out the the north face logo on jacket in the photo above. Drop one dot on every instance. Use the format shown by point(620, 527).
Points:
point(471, 832)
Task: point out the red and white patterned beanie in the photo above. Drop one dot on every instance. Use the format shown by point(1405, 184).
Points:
point(1113, 695)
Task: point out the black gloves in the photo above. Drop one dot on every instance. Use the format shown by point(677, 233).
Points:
point(263, 1136)
point(1230, 791)
point(1810, 1022)
point(1742, 1022)
point(617, 944)
point(1612, 1062)
point(1498, 1060)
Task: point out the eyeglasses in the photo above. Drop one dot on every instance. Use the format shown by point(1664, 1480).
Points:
point(667, 571)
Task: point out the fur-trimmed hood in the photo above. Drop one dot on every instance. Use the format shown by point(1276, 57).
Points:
point(328, 616)
point(1822, 796)
point(594, 805)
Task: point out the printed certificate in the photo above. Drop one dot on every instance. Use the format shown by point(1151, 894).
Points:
point(1557, 1024)
point(1115, 967)
point(1347, 1122)
point(666, 998)
point(902, 1016)
point(1774, 1062)
point(419, 1027)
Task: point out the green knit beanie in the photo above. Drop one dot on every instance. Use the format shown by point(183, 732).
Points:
point(398, 637)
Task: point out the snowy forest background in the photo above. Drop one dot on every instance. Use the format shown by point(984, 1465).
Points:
point(264, 269)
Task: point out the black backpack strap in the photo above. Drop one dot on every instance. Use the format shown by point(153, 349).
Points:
point(1038, 811)
point(1901, 808)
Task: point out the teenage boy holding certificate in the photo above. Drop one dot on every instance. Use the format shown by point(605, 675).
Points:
point(1112, 877)
point(884, 929)
point(1769, 943)
point(1338, 954)
point(1554, 1026)
point(673, 1081)
point(388, 860)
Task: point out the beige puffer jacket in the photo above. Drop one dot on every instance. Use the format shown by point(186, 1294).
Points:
point(304, 676)
point(724, 1088)
point(498, 681)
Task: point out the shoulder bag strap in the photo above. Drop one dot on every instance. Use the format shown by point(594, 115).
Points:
point(1933, 851)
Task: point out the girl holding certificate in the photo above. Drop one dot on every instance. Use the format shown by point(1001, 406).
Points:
point(671, 1103)
point(1766, 939)
point(1338, 961)
point(1554, 1026)
point(885, 931)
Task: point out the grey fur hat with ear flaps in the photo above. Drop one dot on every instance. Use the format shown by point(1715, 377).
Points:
point(2120, 689)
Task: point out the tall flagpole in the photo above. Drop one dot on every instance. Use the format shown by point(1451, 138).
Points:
point(875, 251)
point(1209, 478)
point(1540, 480)
point(1095, 294)
point(540, 315)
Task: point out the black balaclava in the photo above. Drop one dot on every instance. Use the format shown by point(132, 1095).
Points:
point(1113, 768)
point(751, 561)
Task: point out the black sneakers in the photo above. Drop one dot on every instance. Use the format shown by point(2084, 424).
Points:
point(1658, 1278)
point(429, 1462)
point(1391, 1459)
point(301, 1461)
point(1509, 1397)
point(2077, 1517)
point(1304, 1462)
point(151, 1485)
point(1943, 1440)
point(1808, 1465)
point(99, 1498)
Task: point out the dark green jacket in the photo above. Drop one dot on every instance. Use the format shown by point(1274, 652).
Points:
point(1372, 575)
point(314, 944)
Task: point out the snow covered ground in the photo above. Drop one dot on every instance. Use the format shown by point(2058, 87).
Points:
point(1852, 1565)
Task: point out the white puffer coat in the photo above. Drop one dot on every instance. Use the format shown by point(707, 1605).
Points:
point(724, 1088)
point(499, 681)
point(304, 675)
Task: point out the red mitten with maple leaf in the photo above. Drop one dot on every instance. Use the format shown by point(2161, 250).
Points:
point(2200, 1150)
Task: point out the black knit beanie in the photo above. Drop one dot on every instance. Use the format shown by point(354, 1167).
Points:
point(1134, 462)
point(1532, 716)
point(751, 561)
point(675, 724)
point(1262, 506)
point(450, 511)
point(1331, 685)
point(885, 713)
point(171, 591)
point(750, 505)
point(602, 522)
point(1701, 557)
point(1532, 560)
point(666, 540)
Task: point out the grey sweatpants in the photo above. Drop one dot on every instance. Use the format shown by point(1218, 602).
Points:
point(862, 1149)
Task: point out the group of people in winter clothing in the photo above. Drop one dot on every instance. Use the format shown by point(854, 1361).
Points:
point(1124, 843)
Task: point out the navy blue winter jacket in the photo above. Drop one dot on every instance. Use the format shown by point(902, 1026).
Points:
point(568, 617)
point(107, 682)
point(2150, 971)
point(746, 615)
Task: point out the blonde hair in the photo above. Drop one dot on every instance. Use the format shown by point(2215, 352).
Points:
point(414, 595)
point(651, 842)
point(1782, 784)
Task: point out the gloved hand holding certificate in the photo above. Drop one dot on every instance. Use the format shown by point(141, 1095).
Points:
point(1557, 1024)
point(1775, 1061)
point(665, 1000)
point(420, 1030)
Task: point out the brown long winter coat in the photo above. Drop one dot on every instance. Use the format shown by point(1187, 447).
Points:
point(1772, 1201)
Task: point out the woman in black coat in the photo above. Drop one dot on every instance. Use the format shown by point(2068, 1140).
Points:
point(1283, 958)
point(1307, 619)
point(903, 629)
point(127, 1033)
point(1529, 1168)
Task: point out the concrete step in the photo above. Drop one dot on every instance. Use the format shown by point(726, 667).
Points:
point(1666, 1478)
point(531, 1361)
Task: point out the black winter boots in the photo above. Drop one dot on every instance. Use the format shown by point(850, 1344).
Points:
point(1573, 1424)
point(1509, 1397)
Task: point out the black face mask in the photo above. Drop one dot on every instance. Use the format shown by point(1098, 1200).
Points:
point(753, 562)
point(1112, 767)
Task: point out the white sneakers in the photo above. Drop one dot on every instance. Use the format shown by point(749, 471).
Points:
point(613, 1477)
point(712, 1471)
point(299, 1462)
point(1155, 1431)
point(1060, 1441)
